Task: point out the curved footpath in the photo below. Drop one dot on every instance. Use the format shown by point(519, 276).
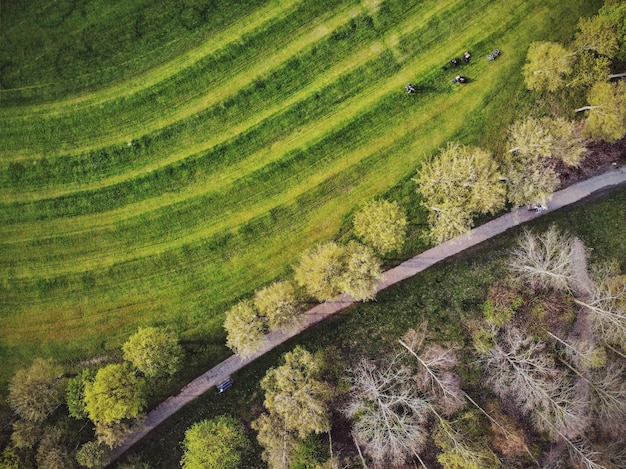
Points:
point(407, 269)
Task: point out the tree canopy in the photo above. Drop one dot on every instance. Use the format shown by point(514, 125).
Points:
point(381, 225)
point(214, 444)
point(75, 393)
point(245, 328)
point(361, 272)
point(295, 392)
point(115, 394)
point(547, 66)
point(92, 454)
point(319, 270)
point(607, 111)
point(459, 183)
point(35, 392)
point(154, 351)
point(536, 146)
point(278, 304)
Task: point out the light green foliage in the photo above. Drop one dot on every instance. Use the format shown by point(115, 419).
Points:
point(92, 454)
point(35, 392)
point(598, 34)
point(460, 449)
point(245, 328)
point(607, 111)
point(26, 433)
point(320, 269)
point(112, 434)
point(382, 225)
point(154, 351)
point(459, 183)
point(536, 146)
point(589, 69)
point(277, 440)
point(75, 393)
point(115, 394)
point(547, 66)
point(545, 138)
point(214, 444)
point(362, 272)
point(615, 10)
point(295, 392)
point(278, 304)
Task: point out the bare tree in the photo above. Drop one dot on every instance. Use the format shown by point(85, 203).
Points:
point(389, 414)
point(519, 368)
point(608, 308)
point(435, 376)
point(544, 261)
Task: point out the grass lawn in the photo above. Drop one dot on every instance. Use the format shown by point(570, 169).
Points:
point(445, 295)
point(161, 160)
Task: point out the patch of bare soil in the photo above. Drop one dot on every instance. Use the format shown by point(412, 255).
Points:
point(599, 159)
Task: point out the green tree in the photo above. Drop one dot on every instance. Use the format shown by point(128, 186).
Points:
point(92, 454)
point(361, 272)
point(10, 458)
point(382, 225)
point(52, 451)
point(75, 393)
point(36, 392)
point(607, 111)
point(598, 34)
point(296, 393)
point(277, 440)
point(589, 69)
point(547, 66)
point(459, 183)
point(245, 328)
point(320, 269)
point(113, 434)
point(615, 10)
point(214, 444)
point(154, 351)
point(278, 304)
point(115, 394)
point(461, 449)
point(536, 147)
point(26, 433)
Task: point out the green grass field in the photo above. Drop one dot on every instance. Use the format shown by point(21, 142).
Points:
point(160, 160)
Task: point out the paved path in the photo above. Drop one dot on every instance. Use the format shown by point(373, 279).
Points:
point(405, 270)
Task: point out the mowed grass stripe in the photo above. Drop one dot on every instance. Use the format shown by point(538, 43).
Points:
point(175, 198)
point(232, 32)
point(359, 57)
point(237, 206)
point(129, 127)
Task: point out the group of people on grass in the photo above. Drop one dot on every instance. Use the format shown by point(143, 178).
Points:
point(455, 62)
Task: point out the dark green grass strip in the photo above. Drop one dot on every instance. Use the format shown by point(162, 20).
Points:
point(60, 47)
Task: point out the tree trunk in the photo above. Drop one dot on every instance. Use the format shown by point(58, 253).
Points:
point(585, 108)
point(617, 75)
